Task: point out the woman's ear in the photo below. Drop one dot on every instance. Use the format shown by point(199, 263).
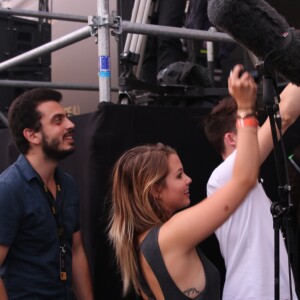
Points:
point(155, 193)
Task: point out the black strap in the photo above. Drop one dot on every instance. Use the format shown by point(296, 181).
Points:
point(54, 210)
point(60, 231)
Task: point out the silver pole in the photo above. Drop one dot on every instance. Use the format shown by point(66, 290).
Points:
point(3, 119)
point(142, 48)
point(59, 86)
point(103, 53)
point(144, 21)
point(138, 20)
point(175, 32)
point(45, 15)
point(133, 18)
point(59, 43)
point(211, 57)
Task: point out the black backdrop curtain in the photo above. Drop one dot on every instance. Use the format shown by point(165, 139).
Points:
point(101, 137)
point(112, 130)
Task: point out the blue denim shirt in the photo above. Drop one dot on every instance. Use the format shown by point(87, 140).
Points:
point(27, 226)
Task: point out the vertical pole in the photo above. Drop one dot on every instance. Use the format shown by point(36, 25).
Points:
point(133, 19)
point(103, 53)
point(210, 57)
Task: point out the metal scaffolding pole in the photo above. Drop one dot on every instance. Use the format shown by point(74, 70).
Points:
point(59, 43)
point(102, 23)
point(40, 14)
point(60, 86)
point(103, 43)
point(127, 26)
point(3, 119)
point(174, 32)
point(104, 51)
point(210, 57)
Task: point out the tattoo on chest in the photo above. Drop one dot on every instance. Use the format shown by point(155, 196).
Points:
point(191, 292)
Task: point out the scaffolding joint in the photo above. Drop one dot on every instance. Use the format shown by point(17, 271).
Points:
point(110, 20)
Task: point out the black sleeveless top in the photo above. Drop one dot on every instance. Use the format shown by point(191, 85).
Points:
point(152, 254)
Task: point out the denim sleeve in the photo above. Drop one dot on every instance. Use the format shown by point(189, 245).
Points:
point(10, 213)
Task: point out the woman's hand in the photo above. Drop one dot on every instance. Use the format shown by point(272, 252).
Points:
point(242, 88)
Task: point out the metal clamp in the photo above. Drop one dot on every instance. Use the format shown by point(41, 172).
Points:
point(111, 20)
point(117, 21)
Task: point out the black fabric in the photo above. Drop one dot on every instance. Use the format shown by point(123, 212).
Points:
point(185, 73)
point(113, 129)
point(101, 136)
point(152, 253)
point(197, 18)
point(161, 51)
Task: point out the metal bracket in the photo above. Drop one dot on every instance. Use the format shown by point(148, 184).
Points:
point(110, 20)
point(117, 24)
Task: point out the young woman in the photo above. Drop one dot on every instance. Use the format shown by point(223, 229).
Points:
point(154, 239)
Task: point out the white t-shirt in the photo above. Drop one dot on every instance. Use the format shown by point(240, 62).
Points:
point(247, 244)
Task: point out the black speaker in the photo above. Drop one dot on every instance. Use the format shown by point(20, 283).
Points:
point(30, 73)
point(17, 36)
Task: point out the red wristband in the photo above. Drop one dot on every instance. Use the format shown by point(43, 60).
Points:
point(246, 122)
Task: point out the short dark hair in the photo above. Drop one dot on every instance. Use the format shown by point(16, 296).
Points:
point(23, 113)
point(219, 121)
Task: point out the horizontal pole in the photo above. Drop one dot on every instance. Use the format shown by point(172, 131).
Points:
point(59, 43)
point(85, 32)
point(127, 26)
point(175, 32)
point(59, 86)
point(41, 14)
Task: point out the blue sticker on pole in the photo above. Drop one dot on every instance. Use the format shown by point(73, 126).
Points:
point(104, 66)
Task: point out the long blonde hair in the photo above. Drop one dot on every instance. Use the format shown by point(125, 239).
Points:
point(134, 209)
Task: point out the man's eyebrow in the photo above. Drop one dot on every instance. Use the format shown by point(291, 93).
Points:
point(58, 115)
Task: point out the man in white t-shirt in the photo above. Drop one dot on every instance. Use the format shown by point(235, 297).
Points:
point(246, 239)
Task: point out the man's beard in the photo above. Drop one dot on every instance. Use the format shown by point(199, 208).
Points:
point(52, 151)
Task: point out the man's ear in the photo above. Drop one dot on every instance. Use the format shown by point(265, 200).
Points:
point(230, 140)
point(32, 136)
